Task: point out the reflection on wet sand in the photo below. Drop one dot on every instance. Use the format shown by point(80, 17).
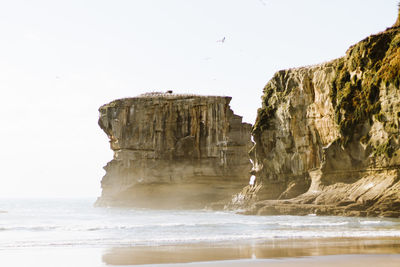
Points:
point(256, 250)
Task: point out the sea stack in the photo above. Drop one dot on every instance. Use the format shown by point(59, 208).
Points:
point(173, 151)
point(328, 136)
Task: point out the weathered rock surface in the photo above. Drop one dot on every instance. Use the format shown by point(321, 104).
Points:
point(173, 151)
point(327, 136)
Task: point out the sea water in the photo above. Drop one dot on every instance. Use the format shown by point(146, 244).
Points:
point(50, 223)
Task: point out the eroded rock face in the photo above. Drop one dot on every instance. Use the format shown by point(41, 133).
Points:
point(290, 139)
point(173, 151)
point(327, 136)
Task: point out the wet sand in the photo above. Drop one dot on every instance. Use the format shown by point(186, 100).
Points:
point(319, 261)
point(255, 253)
point(343, 252)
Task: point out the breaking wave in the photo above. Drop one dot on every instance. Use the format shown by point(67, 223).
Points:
point(78, 224)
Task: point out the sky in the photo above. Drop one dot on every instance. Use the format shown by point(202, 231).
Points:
point(62, 60)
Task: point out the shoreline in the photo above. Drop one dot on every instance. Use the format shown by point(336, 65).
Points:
point(358, 260)
point(274, 253)
point(90, 257)
point(262, 250)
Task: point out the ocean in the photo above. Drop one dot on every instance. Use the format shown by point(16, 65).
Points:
point(37, 224)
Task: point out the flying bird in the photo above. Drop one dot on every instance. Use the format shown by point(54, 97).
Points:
point(221, 41)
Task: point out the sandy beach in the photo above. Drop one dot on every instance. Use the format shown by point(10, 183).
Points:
point(312, 252)
point(279, 252)
point(320, 261)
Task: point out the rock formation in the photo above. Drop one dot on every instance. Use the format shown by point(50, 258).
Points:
point(173, 151)
point(328, 136)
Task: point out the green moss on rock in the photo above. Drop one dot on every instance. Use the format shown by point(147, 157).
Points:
point(266, 113)
point(385, 149)
point(359, 76)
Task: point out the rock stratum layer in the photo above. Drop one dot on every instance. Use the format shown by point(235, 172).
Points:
point(173, 151)
point(327, 136)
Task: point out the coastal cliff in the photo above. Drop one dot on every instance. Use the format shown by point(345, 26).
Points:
point(327, 137)
point(173, 151)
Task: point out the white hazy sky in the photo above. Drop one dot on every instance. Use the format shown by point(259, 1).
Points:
point(61, 60)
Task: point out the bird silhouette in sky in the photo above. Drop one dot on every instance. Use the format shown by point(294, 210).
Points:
point(221, 41)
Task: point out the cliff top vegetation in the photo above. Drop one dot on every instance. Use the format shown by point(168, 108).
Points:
point(370, 64)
